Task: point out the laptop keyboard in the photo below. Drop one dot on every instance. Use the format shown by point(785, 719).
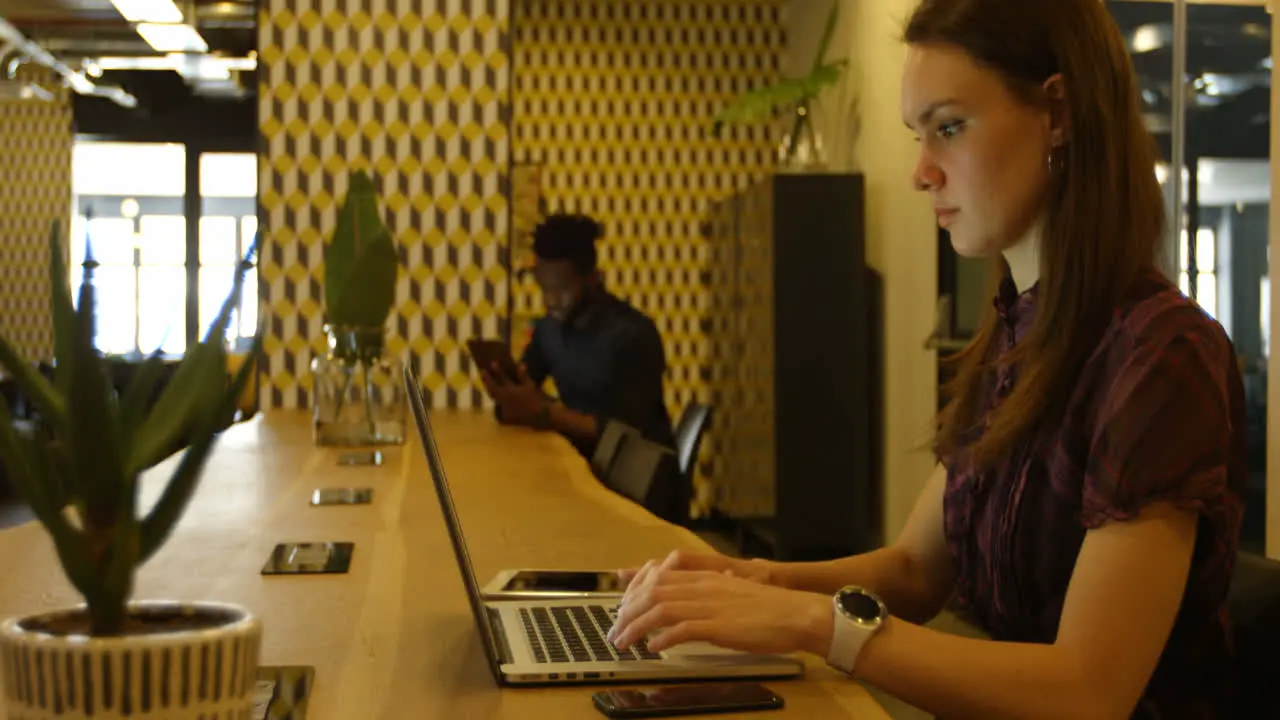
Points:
point(577, 634)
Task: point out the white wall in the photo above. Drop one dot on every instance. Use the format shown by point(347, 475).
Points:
point(1273, 361)
point(861, 126)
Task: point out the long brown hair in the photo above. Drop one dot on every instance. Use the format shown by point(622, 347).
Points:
point(1103, 223)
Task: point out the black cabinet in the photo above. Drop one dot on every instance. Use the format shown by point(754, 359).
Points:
point(794, 332)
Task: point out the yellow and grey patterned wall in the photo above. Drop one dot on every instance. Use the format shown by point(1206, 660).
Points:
point(614, 100)
point(418, 92)
point(35, 168)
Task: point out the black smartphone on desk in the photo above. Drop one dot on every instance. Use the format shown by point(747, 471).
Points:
point(673, 700)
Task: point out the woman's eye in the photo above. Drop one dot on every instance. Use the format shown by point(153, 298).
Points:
point(950, 130)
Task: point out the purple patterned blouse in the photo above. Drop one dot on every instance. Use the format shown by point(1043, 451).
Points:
point(1158, 413)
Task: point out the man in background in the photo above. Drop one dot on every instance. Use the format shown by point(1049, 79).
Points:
point(605, 356)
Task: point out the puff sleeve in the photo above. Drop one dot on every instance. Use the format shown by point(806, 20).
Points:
point(1163, 430)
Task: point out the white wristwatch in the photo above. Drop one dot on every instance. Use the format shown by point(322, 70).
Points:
point(859, 613)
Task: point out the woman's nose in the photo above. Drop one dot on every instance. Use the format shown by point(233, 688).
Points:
point(927, 175)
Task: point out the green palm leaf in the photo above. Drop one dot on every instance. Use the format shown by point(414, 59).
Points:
point(360, 260)
point(786, 94)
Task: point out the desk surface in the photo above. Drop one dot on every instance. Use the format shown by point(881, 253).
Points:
point(394, 638)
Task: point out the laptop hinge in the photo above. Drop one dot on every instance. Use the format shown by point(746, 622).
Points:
point(505, 656)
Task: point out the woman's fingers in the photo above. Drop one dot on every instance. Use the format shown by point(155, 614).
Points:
point(657, 616)
point(671, 587)
point(676, 560)
point(710, 630)
point(638, 580)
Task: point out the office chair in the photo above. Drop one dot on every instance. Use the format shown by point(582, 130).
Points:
point(689, 431)
point(649, 475)
point(615, 433)
point(15, 403)
point(1254, 601)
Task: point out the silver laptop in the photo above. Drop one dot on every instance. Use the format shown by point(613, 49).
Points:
point(563, 641)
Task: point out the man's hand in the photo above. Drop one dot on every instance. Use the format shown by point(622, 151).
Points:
point(519, 399)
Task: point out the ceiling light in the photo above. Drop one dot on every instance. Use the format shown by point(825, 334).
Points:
point(172, 38)
point(1147, 38)
point(213, 65)
point(148, 11)
point(200, 67)
point(139, 62)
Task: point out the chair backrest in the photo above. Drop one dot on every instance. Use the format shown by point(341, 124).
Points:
point(612, 437)
point(689, 431)
point(1254, 602)
point(12, 397)
point(649, 474)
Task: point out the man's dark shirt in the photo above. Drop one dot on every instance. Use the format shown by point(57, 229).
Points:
point(607, 361)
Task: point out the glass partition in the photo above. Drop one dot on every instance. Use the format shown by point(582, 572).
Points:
point(1225, 195)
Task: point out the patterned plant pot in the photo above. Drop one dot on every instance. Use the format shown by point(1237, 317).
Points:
point(181, 661)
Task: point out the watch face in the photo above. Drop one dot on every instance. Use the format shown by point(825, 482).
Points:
point(860, 605)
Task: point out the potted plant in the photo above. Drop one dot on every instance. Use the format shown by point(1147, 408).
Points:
point(357, 397)
point(793, 95)
point(79, 470)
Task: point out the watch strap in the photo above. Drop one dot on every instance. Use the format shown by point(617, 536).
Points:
point(849, 635)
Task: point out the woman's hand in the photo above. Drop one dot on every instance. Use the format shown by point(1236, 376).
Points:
point(678, 606)
point(761, 571)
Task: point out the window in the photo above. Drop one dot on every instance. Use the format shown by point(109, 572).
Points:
point(1206, 292)
point(130, 202)
point(228, 224)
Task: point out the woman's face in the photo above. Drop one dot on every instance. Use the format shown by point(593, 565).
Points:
point(984, 153)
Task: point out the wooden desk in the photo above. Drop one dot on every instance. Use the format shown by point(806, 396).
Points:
point(394, 638)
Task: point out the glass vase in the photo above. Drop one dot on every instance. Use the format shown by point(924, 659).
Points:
point(801, 149)
point(359, 398)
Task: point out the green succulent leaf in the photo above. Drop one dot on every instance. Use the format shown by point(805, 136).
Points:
point(173, 501)
point(833, 17)
point(34, 474)
point(192, 392)
point(35, 387)
point(360, 260)
point(133, 404)
point(73, 551)
point(63, 313)
point(93, 429)
point(185, 393)
point(15, 458)
point(116, 578)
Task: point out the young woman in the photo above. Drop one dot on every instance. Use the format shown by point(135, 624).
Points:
point(1085, 511)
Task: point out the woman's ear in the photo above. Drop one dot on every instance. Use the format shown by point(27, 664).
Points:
point(1055, 93)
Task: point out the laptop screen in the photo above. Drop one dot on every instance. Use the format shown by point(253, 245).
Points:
point(414, 391)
